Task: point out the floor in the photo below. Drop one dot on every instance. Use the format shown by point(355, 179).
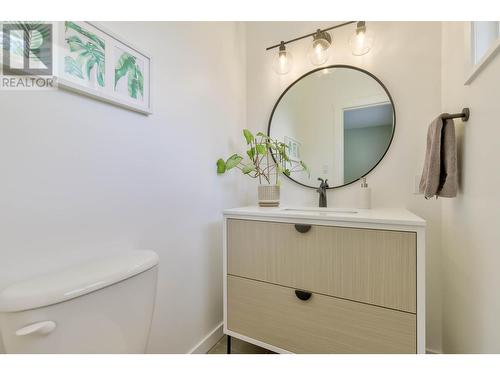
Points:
point(237, 347)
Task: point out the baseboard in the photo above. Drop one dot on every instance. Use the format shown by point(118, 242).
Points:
point(209, 341)
point(432, 351)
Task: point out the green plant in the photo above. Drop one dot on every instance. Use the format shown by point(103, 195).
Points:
point(260, 164)
point(90, 54)
point(127, 65)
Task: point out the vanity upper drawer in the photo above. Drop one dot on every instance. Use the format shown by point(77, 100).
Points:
point(371, 266)
point(322, 324)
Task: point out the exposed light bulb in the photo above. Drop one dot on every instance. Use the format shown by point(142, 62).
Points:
point(320, 50)
point(282, 63)
point(362, 40)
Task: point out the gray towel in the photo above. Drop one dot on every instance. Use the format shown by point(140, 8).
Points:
point(439, 177)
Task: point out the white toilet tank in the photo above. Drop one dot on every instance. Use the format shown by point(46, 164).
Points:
point(101, 306)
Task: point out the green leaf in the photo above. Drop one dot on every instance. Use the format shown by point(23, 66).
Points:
point(93, 37)
point(100, 73)
point(260, 134)
point(133, 83)
point(248, 136)
point(221, 166)
point(127, 65)
point(140, 80)
point(123, 65)
point(251, 153)
point(248, 168)
point(305, 168)
point(82, 57)
point(72, 67)
point(233, 161)
point(261, 149)
point(75, 43)
point(89, 65)
point(286, 172)
point(91, 54)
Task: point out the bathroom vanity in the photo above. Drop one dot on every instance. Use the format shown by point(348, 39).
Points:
point(324, 280)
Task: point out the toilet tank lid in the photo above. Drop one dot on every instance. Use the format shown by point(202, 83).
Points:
point(75, 280)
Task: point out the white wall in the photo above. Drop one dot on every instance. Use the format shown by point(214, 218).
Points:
point(407, 59)
point(80, 177)
point(471, 237)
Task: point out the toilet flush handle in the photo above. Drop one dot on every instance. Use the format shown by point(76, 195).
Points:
point(41, 328)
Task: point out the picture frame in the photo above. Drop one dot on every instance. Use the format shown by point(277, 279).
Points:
point(294, 148)
point(95, 62)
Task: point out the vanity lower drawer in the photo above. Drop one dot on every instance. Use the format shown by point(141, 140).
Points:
point(322, 324)
point(371, 266)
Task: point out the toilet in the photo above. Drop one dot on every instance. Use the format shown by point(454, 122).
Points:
point(100, 306)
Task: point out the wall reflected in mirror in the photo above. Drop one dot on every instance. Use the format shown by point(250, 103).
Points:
point(338, 120)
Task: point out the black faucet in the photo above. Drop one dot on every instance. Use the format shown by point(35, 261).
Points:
point(322, 191)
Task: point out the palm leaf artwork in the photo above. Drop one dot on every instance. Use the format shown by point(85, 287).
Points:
point(127, 65)
point(72, 67)
point(90, 54)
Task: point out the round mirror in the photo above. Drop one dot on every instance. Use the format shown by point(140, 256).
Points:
point(339, 120)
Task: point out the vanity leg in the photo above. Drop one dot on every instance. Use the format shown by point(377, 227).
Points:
point(228, 344)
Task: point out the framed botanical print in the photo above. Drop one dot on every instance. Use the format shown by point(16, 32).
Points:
point(95, 62)
point(293, 149)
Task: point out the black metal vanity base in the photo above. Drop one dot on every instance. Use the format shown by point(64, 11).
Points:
point(228, 344)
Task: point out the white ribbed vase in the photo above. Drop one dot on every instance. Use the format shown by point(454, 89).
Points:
point(269, 195)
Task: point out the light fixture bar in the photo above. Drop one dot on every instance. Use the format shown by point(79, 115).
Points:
point(309, 35)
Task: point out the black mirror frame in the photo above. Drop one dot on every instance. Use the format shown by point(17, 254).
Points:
point(329, 67)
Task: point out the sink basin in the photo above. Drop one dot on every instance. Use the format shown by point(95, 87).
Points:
point(321, 210)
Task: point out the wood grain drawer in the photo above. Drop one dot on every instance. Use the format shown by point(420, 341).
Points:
point(322, 324)
point(370, 266)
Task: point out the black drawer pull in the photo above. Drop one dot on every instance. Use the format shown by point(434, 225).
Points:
point(302, 228)
point(303, 295)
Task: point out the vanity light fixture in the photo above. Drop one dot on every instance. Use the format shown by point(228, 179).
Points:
point(320, 49)
point(362, 40)
point(360, 43)
point(282, 62)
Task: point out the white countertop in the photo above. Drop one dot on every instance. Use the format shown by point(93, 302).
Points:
point(394, 216)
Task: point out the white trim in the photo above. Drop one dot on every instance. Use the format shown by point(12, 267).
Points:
point(473, 70)
point(209, 341)
point(224, 273)
point(78, 89)
point(277, 215)
point(420, 290)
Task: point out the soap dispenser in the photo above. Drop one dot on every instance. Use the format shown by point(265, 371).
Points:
point(365, 195)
